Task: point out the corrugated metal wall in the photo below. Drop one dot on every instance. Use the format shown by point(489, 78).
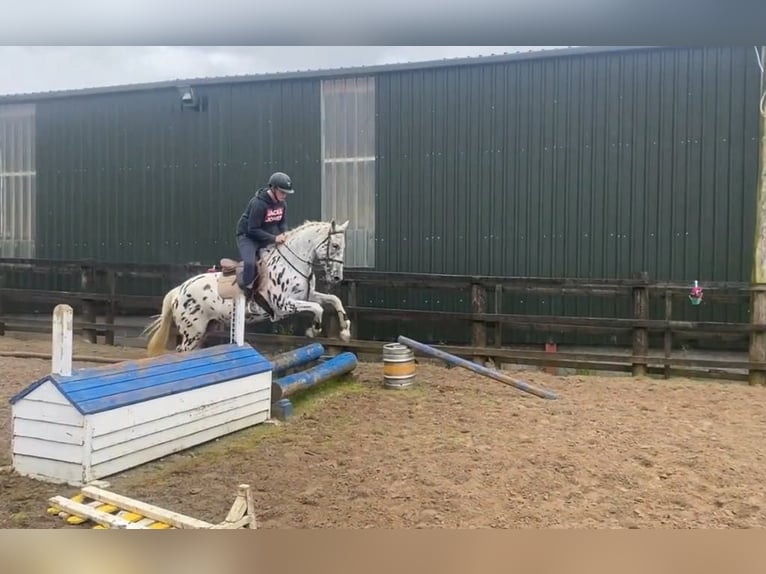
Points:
point(132, 177)
point(600, 165)
point(586, 166)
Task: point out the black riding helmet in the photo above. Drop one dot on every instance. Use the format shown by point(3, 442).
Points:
point(281, 181)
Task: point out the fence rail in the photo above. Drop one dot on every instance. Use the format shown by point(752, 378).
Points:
point(94, 289)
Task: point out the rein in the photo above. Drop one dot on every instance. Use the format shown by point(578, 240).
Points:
point(310, 264)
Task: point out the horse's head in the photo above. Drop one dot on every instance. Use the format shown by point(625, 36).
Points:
point(332, 252)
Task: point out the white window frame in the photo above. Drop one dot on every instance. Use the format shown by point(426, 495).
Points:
point(348, 177)
point(18, 177)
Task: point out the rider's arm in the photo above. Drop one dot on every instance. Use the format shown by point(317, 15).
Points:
point(254, 222)
point(283, 223)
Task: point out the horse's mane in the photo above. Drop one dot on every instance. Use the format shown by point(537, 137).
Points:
point(306, 224)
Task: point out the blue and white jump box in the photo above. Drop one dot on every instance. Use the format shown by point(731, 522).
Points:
point(103, 420)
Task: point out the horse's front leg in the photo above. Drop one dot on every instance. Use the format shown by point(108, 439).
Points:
point(293, 306)
point(345, 322)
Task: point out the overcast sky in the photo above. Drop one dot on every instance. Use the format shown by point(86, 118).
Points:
point(43, 68)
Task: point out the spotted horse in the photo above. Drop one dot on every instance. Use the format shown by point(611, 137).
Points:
point(286, 286)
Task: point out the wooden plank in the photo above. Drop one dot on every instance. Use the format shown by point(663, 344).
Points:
point(53, 296)
point(145, 509)
point(507, 354)
point(549, 321)
point(240, 523)
point(88, 512)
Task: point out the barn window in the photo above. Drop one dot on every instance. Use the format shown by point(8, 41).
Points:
point(348, 163)
point(17, 181)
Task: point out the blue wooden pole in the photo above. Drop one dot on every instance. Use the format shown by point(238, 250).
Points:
point(476, 368)
point(336, 366)
point(299, 356)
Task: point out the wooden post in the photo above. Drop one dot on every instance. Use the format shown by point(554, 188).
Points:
point(668, 347)
point(111, 281)
point(61, 352)
point(498, 334)
point(758, 297)
point(87, 279)
point(2, 306)
point(498, 311)
point(640, 334)
point(353, 315)
point(479, 305)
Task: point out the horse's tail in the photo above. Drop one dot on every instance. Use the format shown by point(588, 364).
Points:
point(159, 329)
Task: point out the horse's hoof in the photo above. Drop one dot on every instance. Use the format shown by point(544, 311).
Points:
point(310, 333)
point(345, 335)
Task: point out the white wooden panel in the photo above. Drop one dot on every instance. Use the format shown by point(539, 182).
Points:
point(48, 431)
point(178, 420)
point(42, 448)
point(37, 410)
point(158, 451)
point(47, 393)
point(142, 413)
point(176, 433)
point(48, 470)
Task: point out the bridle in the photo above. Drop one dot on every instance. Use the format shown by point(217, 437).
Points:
point(326, 259)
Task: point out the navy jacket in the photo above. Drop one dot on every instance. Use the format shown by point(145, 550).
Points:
point(263, 219)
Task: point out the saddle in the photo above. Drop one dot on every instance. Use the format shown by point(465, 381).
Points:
point(228, 283)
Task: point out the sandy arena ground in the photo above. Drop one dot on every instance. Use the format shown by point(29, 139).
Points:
point(459, 450)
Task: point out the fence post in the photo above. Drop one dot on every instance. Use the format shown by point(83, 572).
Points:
point(757, 352)
point(61, 356)
point(498, 311)
point(668, 333)
point(479, 305)
point(353, 315)
point(758, 273)
point(111, 281)
point(640, 334)
point(2, 305)
point(87, 281)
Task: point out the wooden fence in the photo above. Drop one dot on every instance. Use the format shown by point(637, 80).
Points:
point(97, 289)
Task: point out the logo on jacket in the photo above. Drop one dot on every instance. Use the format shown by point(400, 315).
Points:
point(274, 214)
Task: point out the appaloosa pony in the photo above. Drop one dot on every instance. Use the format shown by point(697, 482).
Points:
point(286, 284)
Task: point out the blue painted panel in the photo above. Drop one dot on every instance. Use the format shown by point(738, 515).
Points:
point(110, 387)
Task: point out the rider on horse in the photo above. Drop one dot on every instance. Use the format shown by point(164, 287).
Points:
point(264, 222)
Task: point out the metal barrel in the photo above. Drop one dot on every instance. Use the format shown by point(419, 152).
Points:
point(398, 366)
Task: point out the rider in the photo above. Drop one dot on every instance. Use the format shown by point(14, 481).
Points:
point(264, 222)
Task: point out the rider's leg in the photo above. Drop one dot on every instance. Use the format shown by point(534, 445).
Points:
point(248, 251)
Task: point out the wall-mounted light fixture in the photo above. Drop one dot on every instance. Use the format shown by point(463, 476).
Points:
point(189, 99)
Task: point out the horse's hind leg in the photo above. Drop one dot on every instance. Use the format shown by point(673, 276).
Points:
point(292, 306)
point(192, 336)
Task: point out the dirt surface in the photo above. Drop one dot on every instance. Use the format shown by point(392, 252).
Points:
point(458, 450)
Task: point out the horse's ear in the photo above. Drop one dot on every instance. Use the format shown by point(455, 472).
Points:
point(343, 226)
point(332, 224)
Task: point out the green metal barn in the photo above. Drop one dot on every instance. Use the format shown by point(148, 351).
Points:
point(589, 162)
